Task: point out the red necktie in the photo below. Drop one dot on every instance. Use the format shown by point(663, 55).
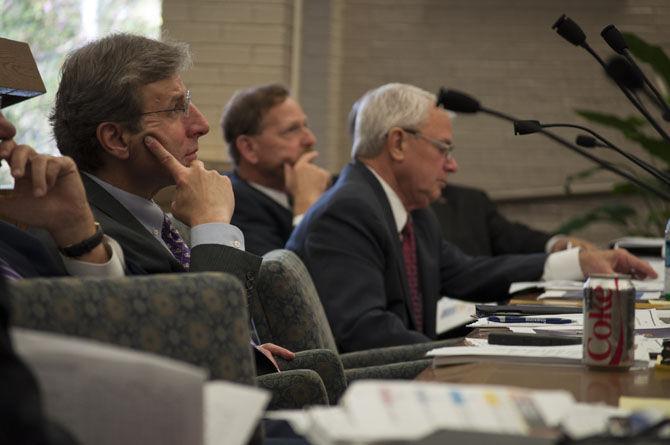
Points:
point(411, 268)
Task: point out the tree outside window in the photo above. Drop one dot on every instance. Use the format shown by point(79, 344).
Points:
point(53, 28)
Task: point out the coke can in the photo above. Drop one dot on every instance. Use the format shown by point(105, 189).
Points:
point(609, 321)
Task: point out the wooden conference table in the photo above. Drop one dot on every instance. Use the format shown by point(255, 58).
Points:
point(586, 385)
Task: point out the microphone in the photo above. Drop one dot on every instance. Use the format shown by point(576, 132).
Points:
point(570, 31)
point(460, 102)
point(617, 42)
point(533, 126)
point(587, 141)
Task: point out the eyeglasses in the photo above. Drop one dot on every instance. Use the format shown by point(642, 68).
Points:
point(445, 149)
point(181, 108)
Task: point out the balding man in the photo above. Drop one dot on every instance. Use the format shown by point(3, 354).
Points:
point(375, 250)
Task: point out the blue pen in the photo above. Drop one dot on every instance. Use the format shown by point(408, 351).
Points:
point(549, 320)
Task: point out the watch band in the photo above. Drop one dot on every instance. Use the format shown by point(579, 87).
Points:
point(85, 246)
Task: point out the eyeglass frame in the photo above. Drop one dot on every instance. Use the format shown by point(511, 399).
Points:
point(445, 149)
point(184, 109)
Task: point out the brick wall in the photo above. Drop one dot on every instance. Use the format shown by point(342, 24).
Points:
point(235, 44)
point(503, 52)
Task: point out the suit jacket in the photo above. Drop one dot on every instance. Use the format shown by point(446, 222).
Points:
point(266, 224)
point(26, 254)
point(146, 252)
point(350, 245)
point(470, 220)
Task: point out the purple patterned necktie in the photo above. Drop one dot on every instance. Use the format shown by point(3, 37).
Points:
point(175, 242)
point(8, 271)
point(411, 268)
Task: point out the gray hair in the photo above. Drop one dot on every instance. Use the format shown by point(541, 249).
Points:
point(379, 110)
point(101, 82)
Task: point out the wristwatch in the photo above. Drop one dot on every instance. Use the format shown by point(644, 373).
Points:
point(85, 246)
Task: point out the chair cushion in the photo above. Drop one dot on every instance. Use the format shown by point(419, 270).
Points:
point(289, 311)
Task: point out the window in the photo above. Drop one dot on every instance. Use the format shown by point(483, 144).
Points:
point(53, 28)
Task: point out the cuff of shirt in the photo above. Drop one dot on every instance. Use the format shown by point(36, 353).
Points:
point(112, 268)
point(553, 240)
point(217, 233)
point(563, 265)
point(297, 219)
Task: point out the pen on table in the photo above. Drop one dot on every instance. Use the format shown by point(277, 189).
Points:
point(547, 320)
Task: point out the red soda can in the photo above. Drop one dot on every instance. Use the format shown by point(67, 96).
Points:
point(609, 321)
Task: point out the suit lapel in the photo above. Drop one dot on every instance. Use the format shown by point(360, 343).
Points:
point(105, 204)
point(396, 243)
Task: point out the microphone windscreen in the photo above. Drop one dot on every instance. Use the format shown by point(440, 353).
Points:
point(586, 141)
point(527, 127)
point(619, 69)
point(456, 101)
point(569, 30)
point(614, 38)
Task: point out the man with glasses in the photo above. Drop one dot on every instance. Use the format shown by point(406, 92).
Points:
point(125, 116)
point(375, 250)
point(275, 180)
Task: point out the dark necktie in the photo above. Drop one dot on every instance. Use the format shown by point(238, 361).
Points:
point(175, 242)
point(8, 271)
point(411, 268)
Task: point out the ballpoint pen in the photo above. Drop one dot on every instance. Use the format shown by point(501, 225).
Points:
point(546, 320)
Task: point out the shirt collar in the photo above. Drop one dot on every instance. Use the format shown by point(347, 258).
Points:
point(280, 198)
point(145, 210)
point(399, 212)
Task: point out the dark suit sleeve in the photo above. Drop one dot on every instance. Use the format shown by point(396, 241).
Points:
point(349, 266)
point(508, 237)
point(220, 258)
point(482, 278)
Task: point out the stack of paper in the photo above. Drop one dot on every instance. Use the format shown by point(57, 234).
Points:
point(390, 411)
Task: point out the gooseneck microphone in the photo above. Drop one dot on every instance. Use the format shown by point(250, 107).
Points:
point(623, 72)
point(570, 31)
point(533, 126)
point(462, 103)
point(617, 42)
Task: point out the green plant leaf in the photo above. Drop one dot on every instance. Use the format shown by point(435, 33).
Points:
point(651, 54)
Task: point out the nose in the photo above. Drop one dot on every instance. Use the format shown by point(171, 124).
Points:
point(309, 140)
point(197, 124)
point(450, 165)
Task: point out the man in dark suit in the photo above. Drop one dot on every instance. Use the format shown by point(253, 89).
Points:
point(124, 115)
point(471, 221)
point(274, 181)
point(375, 250)
point(48, 193)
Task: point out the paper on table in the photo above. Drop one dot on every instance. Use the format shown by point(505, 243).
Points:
point(453, 313)
point(383, 411)
point(231, 412)
point(644, 403)
point(480, 350)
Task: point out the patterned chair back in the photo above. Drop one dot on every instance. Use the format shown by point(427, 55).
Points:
point(288, 311)
point(199, 318)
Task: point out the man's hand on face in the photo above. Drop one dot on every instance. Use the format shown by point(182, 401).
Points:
point(305, 182)
point(614, 261)
point(202, 196)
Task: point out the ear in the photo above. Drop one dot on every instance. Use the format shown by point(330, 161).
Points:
point(247, 148)
point(111, 137)
point(396, 143)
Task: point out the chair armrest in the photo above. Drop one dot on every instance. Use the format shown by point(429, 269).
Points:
point(393, 354)
point(402, 370)
point(199, 318)
point(327, 364)
point(294, 389)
